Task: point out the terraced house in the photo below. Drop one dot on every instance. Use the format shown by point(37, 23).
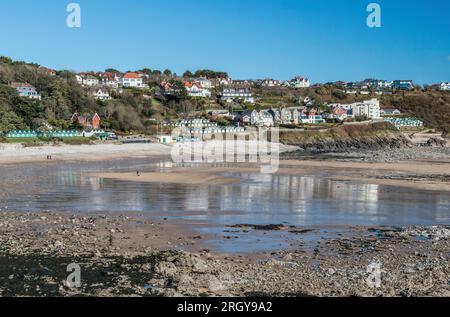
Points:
point(232, 94)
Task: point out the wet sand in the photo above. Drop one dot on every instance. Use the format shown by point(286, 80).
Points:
point(426, 175)
point(197, 177)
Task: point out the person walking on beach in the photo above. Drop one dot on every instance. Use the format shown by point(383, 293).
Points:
point(138, 174)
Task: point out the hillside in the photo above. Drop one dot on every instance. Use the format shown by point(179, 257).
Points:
point(61, 97)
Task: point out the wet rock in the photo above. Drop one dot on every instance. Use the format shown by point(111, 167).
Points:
point(165, 268)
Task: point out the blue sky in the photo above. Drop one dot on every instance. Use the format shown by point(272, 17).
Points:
point(326, 40)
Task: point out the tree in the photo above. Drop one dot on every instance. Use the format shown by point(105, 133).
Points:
point(188, 74)
point(167, 73)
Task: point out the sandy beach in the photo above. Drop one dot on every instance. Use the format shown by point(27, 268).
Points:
point(16, 153)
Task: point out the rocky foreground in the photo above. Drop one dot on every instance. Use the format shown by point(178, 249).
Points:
point(124, 256)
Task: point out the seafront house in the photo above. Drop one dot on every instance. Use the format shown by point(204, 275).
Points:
point(233, 94)
point(26, 90)
point(257, 118)
point(99, 93)
point(338, 113)
point(311, 116)
point(132, 80)
point(403, 85)
point(91, 121)
point(298, 82)
point(290, 116)
point(445, 86)
point(196, 90)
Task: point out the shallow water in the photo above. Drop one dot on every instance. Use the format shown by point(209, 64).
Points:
point(257, 199)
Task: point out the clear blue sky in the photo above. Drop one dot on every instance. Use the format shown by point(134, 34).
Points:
point(326, 40)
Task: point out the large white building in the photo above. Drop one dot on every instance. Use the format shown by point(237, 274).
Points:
point(132, 80)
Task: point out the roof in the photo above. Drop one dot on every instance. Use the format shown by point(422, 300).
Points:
point(191, 84)
point(131, 76)
point(21, 85)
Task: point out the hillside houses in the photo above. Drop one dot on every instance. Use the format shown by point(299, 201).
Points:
point(26, 90)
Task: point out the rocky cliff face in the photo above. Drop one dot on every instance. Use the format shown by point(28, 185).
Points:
point(360, 144)
point(372, 137)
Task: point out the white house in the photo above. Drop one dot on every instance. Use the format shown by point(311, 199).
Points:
point(197, 90)
point(89, 81)
point(258, 118)
point(445, 86)
point(299, 82)
point(100, 94)
point(132, 80)
point(26, 90)
point(204, 82)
